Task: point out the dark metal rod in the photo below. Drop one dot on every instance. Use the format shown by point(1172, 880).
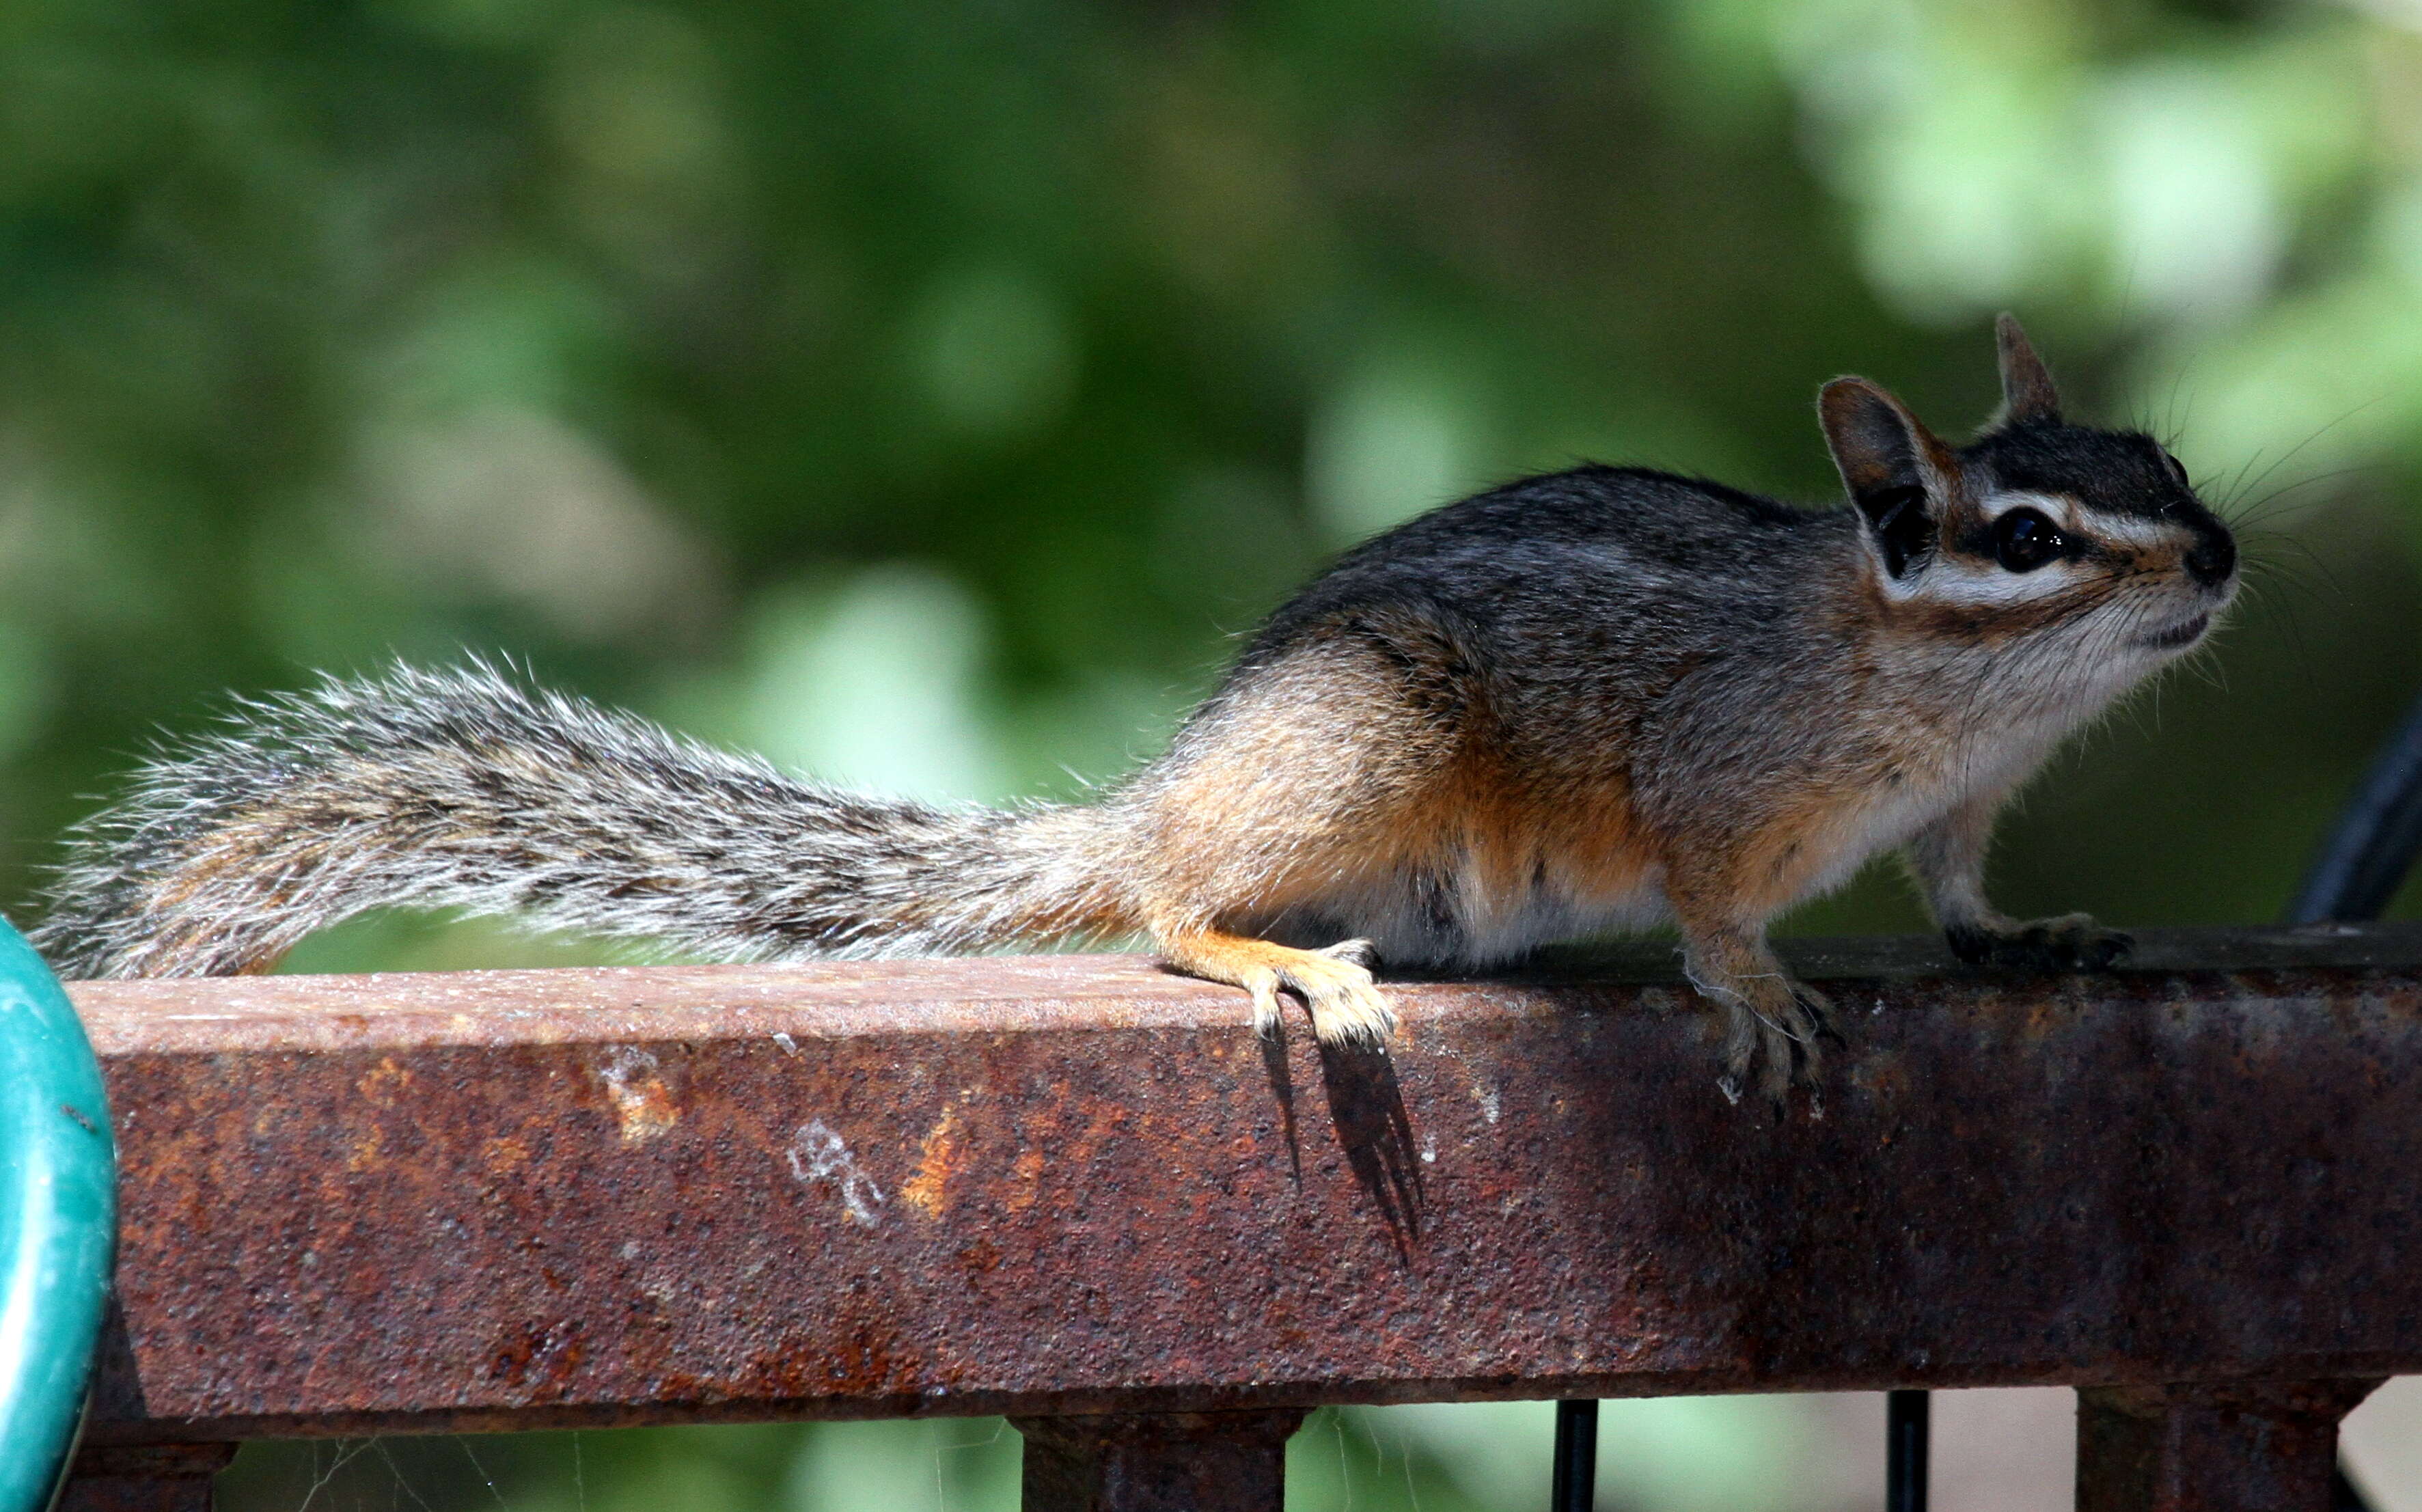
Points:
point(2377, 838)
point(1908, 1428)
point(1576, 1483)
point(2344, 1496)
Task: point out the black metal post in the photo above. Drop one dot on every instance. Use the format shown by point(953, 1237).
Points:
point(1575, 1482)
point(2373, 846)
point(1908, 1430)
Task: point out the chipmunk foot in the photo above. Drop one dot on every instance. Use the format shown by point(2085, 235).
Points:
point(2069, 943)
point(1347, 1007)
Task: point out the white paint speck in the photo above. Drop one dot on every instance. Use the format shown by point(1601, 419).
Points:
point(789, 1046)
point(1429, 1149)
point(817, 1154)
point(1488, 1107)
point(626, 1062)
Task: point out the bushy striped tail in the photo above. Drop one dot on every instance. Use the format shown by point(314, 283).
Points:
point(464, 790)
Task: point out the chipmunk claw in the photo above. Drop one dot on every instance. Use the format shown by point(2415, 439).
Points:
point(1819, 1010)
point(1265, 1007)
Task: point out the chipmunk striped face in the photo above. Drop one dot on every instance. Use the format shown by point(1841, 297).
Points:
point(2060, 523)
point(2092, 539)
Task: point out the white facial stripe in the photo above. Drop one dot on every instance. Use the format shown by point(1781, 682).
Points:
point(2059, 506)
point(2135, 531)
point(1969, 583)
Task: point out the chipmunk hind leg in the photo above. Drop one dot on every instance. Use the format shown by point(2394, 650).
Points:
point(1304, 793)
point(1335, 984)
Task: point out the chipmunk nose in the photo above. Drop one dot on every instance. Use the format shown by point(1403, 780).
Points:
point(2213, 557)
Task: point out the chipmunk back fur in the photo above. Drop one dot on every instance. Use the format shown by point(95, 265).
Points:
point(1599, 700)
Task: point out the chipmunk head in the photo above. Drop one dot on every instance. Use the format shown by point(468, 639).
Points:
point(2037, 526)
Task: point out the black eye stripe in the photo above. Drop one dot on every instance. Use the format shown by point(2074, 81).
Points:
point(2102, 537)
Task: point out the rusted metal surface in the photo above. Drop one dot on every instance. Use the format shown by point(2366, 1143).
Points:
point(2239, 1447)
point(1156, 1461)
point(1057, 1185)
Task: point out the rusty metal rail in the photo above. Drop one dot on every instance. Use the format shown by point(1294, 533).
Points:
point(1078, 1191)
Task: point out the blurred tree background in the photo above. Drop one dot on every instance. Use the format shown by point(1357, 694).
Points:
point(925, 395)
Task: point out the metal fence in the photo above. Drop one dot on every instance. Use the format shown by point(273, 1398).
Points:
point(1078, 1191)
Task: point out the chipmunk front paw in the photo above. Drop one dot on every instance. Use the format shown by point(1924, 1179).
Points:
point(2071, 943)
point(1778, 1027)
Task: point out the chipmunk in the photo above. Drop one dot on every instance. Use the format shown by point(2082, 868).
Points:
point(1596, 700)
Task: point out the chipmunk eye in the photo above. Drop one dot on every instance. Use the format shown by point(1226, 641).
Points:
point(2178, 470)
point(2025, 540)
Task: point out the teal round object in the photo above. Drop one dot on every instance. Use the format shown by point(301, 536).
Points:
point(59, 1224)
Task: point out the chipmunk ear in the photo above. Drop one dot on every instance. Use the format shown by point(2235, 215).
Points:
point(1897, 472)
point(2027, 391)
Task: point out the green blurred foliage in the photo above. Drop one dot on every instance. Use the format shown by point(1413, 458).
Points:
point(1676, 1455)
point(925, 394)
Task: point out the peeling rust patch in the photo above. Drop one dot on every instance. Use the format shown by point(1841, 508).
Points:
point(544, 1356)
point(384, 1085)
point(503, 1154)
point(643, 1106)
point(928, 1186)
point(1026, 1172)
